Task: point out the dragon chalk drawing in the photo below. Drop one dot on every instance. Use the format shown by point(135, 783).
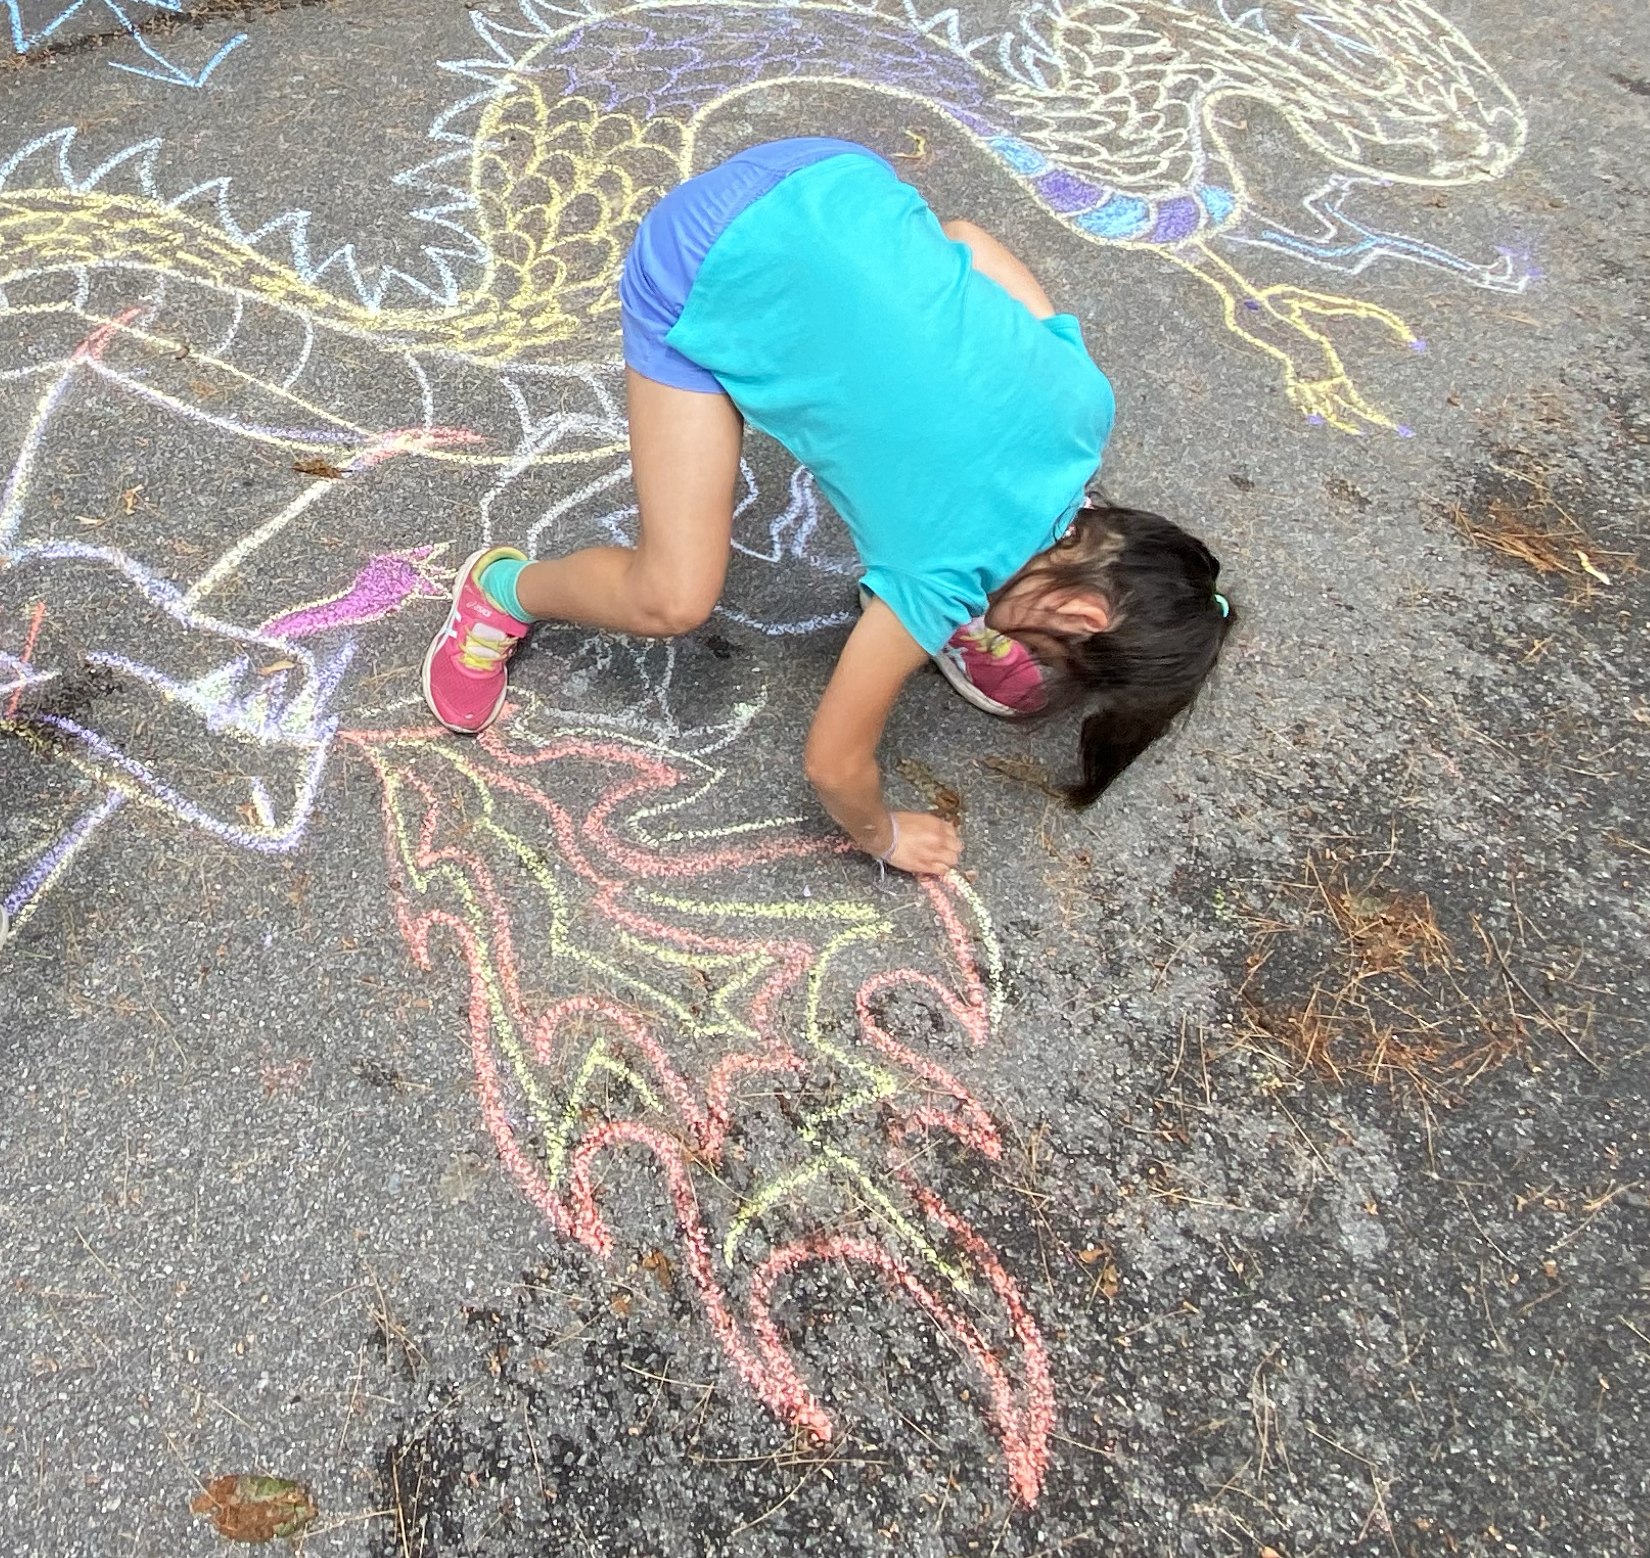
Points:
point(45, 27)
point(637, 985)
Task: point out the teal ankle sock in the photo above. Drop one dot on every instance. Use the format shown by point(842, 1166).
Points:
point(498, 584)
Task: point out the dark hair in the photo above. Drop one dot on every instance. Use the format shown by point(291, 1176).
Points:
point(1165, 631)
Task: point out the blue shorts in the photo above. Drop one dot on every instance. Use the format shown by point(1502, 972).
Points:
point(677, 234)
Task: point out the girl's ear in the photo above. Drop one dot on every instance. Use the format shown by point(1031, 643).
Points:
point(1080, 612)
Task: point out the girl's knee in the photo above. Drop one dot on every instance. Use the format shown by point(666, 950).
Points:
point(675, 617)
point(667, 607)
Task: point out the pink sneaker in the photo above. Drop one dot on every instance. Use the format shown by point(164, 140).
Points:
point(992, 671)
point(464, 672)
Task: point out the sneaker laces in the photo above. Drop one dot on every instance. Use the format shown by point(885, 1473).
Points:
point(484, 648)
point(987, 640)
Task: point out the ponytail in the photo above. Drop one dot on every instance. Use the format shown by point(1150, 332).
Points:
point(1167, 626)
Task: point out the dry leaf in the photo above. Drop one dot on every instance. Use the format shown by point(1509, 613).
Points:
point(255, 1509)
point(318, 468)
point(277, 665)
point(129, 498)
point(943, 801)
point(1109, 1279)
point(657, 1265)
point(621, 1304)
point(463, 1176)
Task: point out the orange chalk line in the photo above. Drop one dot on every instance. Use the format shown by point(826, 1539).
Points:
point(36, 618)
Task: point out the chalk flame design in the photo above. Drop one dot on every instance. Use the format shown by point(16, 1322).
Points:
point(458, 865)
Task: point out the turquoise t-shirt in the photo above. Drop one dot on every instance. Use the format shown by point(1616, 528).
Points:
point(952, 430)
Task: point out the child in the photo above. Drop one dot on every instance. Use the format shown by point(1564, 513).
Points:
point(952, 418)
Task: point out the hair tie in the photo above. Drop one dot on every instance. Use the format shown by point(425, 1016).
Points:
point(893, 844)
point(1222, 605)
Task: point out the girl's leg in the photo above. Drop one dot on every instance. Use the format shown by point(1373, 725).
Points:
point(684, 447)
point(684, 452)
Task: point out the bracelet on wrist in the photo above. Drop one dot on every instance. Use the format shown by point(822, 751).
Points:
point(893, 842)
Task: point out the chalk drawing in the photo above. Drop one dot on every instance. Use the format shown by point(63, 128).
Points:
point(49, 28)
point(716, 957)
point(1114, 117)
point(639, 987)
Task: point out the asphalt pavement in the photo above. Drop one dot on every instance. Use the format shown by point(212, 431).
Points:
point(558, 1143)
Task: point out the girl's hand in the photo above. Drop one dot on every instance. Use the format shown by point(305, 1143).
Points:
point(927, 845)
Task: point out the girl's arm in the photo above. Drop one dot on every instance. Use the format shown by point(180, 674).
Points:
point(993, 260)
point(841, 755)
